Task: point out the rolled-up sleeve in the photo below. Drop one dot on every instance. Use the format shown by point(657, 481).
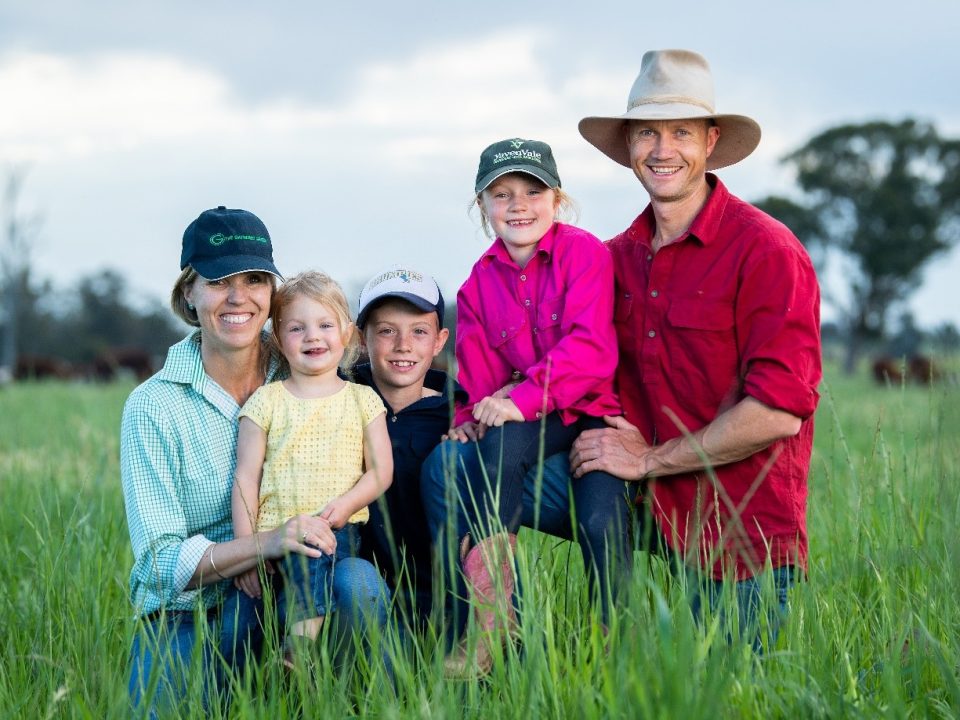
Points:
point(778, 328)
point(165, 557)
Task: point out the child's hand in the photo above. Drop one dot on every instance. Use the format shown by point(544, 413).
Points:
point(505, 391)
point(494, 411)
point(337, 513)
point(249, 582)
point(466, 432)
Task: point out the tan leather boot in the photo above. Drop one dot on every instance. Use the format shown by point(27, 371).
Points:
point(488, 569)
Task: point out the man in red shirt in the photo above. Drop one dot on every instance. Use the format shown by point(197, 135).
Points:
point(717, 316)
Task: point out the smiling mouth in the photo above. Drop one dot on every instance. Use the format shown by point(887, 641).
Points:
point(315, 351)
point(402, 363)
point(662, 170)
point(520, 223)
point(232, 319)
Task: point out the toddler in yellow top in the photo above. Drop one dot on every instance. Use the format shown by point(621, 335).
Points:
point(311, 444)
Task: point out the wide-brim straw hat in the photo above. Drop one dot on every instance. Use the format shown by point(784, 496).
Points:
point(673, 85)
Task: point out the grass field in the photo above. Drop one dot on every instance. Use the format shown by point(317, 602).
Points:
point(875, 632)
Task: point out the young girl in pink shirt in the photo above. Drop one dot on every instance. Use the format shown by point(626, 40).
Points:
point(537, 353)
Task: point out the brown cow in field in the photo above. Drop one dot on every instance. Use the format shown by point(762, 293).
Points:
point(109, 363)
point(42, 367)
point(919, 369)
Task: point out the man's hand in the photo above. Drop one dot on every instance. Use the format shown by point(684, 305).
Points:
point(618, 449)
point(494, 411)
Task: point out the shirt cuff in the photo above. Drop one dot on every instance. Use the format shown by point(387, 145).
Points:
point(191, 553)
point(529, 399)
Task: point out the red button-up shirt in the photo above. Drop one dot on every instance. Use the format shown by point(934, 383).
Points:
point(549, 325)
point(731, 309)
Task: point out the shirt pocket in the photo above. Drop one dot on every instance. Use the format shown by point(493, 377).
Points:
point(549, 327)
point(702, 333)
point(697, 314)
point(503, 328)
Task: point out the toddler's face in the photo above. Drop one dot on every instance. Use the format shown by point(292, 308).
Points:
point(311, 337)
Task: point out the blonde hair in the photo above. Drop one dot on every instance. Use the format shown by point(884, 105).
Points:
point(323, 289)
point(565, 207)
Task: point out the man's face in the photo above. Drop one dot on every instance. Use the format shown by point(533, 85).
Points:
point(669, 157)
point(402, 342)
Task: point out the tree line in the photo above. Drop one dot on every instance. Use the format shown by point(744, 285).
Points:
point(881, 198)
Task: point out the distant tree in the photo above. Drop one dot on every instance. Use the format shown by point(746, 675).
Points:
point(100, 318)
point(946, 338)
point(805, 224)
point(15, 246)
point(884, 195)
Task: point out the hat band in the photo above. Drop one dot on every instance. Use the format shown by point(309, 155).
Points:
point(668, 100)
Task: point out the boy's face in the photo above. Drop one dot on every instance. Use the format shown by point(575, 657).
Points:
point(402, 342)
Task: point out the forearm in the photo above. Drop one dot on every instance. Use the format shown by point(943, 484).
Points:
point(368, 488)
point(245, 510)
point(747, 428)
point(228, 559)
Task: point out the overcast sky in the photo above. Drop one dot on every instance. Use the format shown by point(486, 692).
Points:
point(354, 129)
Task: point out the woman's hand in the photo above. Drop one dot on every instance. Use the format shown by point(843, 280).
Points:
point(308, 535)
point(495, 411)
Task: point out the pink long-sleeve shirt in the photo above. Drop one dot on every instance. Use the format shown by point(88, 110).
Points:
point(548, 325)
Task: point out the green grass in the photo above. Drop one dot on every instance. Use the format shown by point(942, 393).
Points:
point(874, 632)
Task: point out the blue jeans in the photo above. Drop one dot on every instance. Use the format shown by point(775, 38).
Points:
point(760, 602)
point(309, 581)
point(166, 655)
point(163, 660)
point(595, 510)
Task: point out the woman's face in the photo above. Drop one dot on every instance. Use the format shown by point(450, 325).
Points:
point(232, 311)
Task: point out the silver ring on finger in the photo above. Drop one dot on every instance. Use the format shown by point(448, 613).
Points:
point(304, 538)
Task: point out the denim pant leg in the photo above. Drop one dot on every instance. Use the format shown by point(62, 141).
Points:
point(241, 628)
point(603, 508)
point(495, 469)
point(307, 584)
point(545, 507)
point(162, 663)
point(441, 490)
point(759, 616)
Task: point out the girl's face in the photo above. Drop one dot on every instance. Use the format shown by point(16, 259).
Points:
point(520, 210)
point(311, 338)
point(233, 310)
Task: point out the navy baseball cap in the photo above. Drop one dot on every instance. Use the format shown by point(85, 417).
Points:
point(223, 242)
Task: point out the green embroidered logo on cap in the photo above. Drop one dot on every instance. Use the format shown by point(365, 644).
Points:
point(517, 143)
point(220, 239)
point(517, 156)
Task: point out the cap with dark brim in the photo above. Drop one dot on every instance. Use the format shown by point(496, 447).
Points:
point(542, 175)
point(227, 265)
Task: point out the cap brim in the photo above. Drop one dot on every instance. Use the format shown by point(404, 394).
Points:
point(234, 265)
point(541, 175)
point(739, 134)
point(415, 300)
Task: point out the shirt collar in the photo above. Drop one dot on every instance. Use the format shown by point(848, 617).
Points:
point(184, 363)
point(705, 226)
point(498, 251)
